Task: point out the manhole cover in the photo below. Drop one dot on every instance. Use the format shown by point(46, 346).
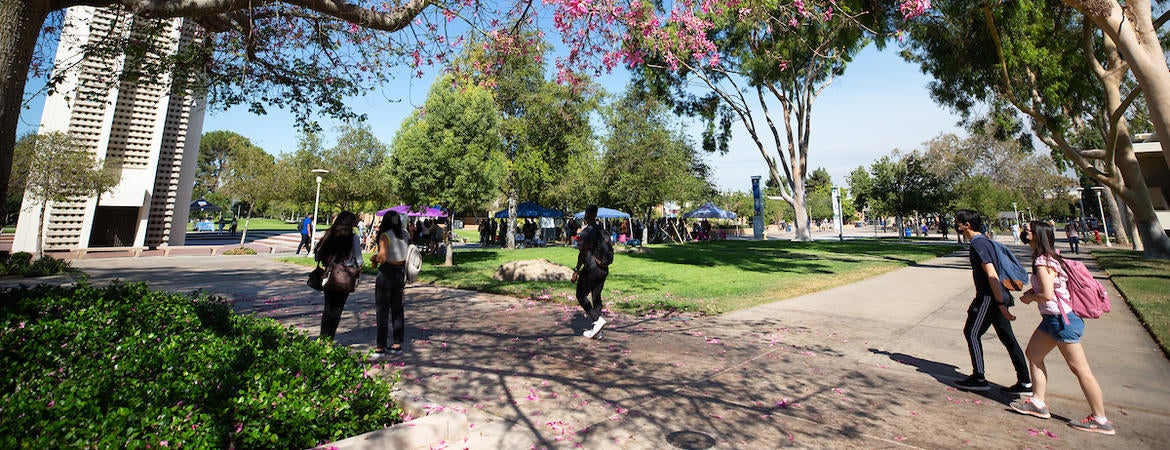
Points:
point(690, 440)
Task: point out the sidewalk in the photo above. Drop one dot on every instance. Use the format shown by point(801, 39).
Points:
point(860, 366)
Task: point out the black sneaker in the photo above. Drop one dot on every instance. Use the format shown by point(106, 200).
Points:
point(1018, 389)
point(973, 383)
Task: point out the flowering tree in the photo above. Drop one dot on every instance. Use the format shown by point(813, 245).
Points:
point(748, 56)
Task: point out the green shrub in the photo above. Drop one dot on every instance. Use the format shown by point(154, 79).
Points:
point(126, 367)
point(240, 251)
point(22, 264)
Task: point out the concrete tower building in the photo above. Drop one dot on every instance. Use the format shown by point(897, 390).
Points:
point(145, 131)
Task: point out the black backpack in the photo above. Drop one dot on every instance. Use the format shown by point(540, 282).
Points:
point(603, 249)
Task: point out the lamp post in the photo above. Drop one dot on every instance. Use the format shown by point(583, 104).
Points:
point(1081, 197)
point(1102, 208)
point(1016, 211)
point(316, 202)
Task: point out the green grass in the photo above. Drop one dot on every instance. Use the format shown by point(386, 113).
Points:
point(709, 277)
point(1144, 283)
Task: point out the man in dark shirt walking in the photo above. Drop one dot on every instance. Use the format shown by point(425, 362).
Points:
point(590, 274)
point(988, 309)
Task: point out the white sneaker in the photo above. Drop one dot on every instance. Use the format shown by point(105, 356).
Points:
point(597, 326)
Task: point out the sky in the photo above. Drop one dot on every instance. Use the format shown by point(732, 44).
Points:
point(881, 103)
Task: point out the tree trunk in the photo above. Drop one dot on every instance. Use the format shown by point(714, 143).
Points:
point(449, 258)
point(1119, 228)
point(1137, 40)
point(20, 25)
point(510, 239)
point(801, 221)
point(41, 231)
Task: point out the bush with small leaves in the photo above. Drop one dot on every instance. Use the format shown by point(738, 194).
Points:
point(126, 367)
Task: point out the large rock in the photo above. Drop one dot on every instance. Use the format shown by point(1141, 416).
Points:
point(532, 270)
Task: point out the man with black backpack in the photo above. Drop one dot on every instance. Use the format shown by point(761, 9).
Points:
point(595, 253)
point(988, 309)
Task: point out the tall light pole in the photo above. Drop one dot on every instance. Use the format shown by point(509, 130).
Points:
point(1102, 208)
point(1016, 210)
point(316, 202)
point(1081, 197)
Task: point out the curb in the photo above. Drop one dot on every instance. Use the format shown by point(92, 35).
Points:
point(434, 431)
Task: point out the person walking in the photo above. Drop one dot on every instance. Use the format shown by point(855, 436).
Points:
point(1050, 293)
point(341, 245)
point(988, 309)
point(390, 286)
point(306, 230)
point(590, 273)
point(1073, 231)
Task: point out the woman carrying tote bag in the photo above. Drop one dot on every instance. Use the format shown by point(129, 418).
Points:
point(339, 247)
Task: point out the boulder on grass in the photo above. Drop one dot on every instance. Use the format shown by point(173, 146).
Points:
point(532, 270)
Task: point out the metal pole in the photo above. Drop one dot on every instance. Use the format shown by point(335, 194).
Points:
point(1103, 224)
point(1016, 211)
point(313, 226)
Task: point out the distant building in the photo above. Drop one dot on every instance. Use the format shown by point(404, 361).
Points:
point(1149, 155)
point(144, 130)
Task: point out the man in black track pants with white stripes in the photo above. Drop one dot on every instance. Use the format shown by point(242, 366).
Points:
point(988, 310)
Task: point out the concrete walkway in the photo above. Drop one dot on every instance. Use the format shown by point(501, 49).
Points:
point(861, 366)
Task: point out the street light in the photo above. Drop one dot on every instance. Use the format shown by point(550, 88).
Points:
point(1102, 208)
point(316, 202)
point(1081, 197)
point(1016, 210)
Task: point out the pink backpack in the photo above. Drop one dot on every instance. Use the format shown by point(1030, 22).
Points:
point(1086, 295)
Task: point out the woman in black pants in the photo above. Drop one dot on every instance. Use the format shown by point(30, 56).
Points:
point(388, 290)
point(339, 244)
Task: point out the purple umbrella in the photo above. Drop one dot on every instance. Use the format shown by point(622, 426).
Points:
point(405, 209)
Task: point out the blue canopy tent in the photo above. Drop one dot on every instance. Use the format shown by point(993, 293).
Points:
point(605, 213)
point(530, 210)
point(710, 211)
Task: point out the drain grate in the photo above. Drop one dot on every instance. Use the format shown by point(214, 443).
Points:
point(690, 440)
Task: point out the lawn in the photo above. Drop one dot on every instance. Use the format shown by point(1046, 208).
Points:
point(709, 277)
point(257, 223)
point(1144, 283)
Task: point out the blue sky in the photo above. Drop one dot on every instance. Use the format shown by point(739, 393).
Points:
point(881, 103)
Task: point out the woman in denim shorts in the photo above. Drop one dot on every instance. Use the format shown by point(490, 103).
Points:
point(1050, 292)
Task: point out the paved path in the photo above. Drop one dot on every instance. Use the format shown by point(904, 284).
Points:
point(861, 366)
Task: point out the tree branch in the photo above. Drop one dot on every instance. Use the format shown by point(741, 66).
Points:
point(391, 20)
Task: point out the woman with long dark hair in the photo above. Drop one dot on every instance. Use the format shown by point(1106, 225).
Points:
point(1050, 292)
point(340, 245)
point(391, 284)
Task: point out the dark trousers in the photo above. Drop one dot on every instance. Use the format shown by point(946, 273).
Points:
point(590, 281)
point(334, 305)
point(388, 292)
point(305, 242)
point(983, 314)
point(1075, 243)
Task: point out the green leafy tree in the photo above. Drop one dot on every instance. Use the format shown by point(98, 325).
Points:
point(449, 153)
point(1045, 59)
point(59, 169)
point(354, 163)
point(250, 177)
point(647, 162)
point(899, 187)
point(544, 126)
point(214, 150)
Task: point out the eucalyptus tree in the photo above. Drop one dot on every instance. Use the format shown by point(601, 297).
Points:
point(450, 152)
point(1044, 59)
point(762, 58)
